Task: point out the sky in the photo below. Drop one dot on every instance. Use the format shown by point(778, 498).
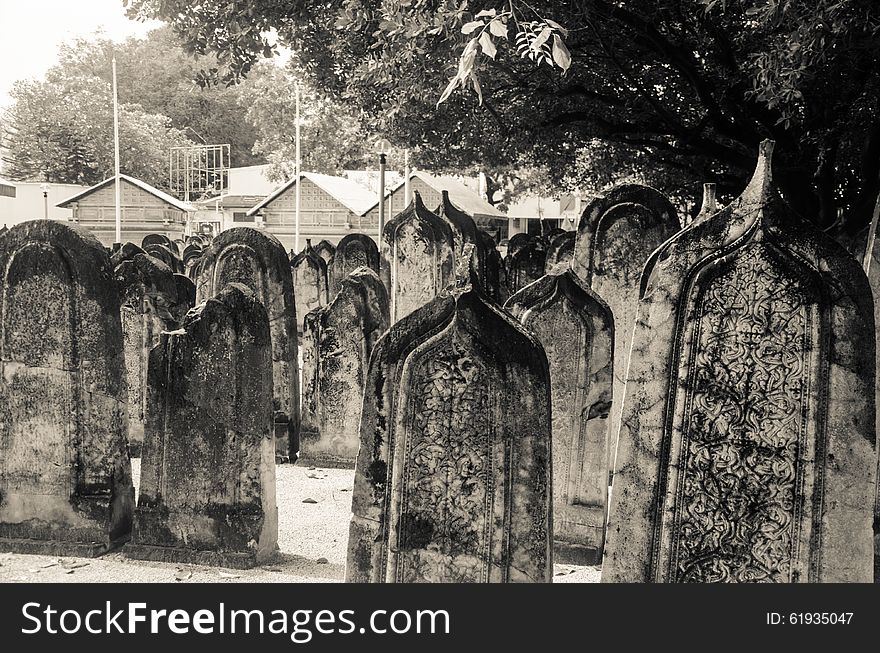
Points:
point(32, 30)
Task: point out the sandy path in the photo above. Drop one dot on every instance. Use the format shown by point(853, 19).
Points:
point(308, 532)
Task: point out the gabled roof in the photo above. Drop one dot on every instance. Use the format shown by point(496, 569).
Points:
point(7, 188)
point(165, 197)
point(466, 199)
point(350, 194)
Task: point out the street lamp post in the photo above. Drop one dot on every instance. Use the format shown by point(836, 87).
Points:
point(382, 148)
point(45, 189)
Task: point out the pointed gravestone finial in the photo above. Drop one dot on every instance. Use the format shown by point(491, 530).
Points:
point(709, 203)
point(763, 171)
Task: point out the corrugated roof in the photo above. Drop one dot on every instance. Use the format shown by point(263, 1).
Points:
point(353, 196)
point(466, 199)
point(165, 197)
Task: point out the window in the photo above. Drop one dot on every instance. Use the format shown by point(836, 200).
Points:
point(241, 216)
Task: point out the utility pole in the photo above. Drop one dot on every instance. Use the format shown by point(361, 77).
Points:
point(116, 156)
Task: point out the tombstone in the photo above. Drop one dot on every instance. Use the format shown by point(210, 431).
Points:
point(326, 250)
point(858, 245)
point(148, 293)
point(258, 260)
point(352, 252)
point(65, 476)
point(192, 254)
point(526, 265)
point(207, 491)
point(341, 338)
point(309, 280)
point(453, 473)
point(617, 233)
point(577, 331)
point(746, 448)
point(417, 257)
point(560, 251)
point(164, 254)
point(517, 242)
point(186, 297)
point(309, 383)
point(155, 239)
point(492, 273)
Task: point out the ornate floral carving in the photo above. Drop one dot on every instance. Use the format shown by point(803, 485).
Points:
point(737, 514)
point(446, 508)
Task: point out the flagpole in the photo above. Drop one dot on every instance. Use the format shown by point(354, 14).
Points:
point(116, 156)
point(298, 175)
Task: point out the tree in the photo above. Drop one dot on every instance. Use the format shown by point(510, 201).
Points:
point(675, 91)
point(333, 138)
point(158, 74)
point(61, 130)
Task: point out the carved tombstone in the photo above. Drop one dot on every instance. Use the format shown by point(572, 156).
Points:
point(454, 469)
point(207, 491)
point(526, 265)
point(517, 242)
point(746, 448)
point(65, 477)
point(858, 243)
point(164, 254)
point(258, 260)
point(326, 250)
point(417, 258)
point(192, 254)
point(341, 337)
point(560, 251)
point(492, 273)
point(186, 297)
point(617, 233)
point(352, 252)
point(577, 332)
point(309, 280)
point(148, 294)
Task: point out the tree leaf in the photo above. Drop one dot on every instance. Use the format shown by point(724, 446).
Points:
point(487, 45)
point(486, 12)
point(561, 55)
point(541, 39)
point(467, 28)
point(449, 88)
point(498, 28)
point(556, 26)
point(477, 88)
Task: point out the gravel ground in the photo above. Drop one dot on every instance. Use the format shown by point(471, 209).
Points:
point(316, 532)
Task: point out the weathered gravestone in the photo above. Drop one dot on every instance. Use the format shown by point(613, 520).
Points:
point(340, 337)
point(492, 273)
point(617, 233)
point(526, 264)
point(560, 251)
point(148, 293)
point(207, 490)
point(454, 469)
point(164, 254)
point(517, 242)
point(258, 260)
point(858, 245)
point(326, 250)
point(746, 448)
point(417, 258)
point(577, 331)
point(186, 297)
point(352, 252)
point(309, 280)
point(192, 254)
point(65, 477)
